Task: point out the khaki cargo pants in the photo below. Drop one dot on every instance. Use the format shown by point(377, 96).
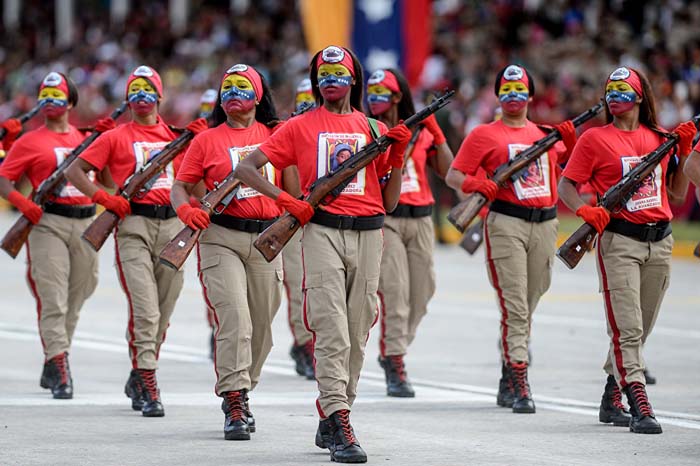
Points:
point(244, 291)
point(293, 273)
point(519, 260)
point(151, 288)
point(341, 276)
point(406, 281)
point(634, 276)
point(62, 274)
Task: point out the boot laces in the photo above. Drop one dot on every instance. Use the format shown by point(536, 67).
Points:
point(345, 427)
point(520, 379)
point(235, 405)
point(398, 366)
point(149, 383)
point(62, 366)
point(639, 394)
point(616, 398)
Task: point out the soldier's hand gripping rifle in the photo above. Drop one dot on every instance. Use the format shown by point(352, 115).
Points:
point(272, 240)
point(139, 183)
point(615, 198)
point(18, 234)
point(463, 213)
point(23, 118)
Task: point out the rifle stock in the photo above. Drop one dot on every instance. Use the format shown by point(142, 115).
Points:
point(473, 237)
point(175, 253)
point(271, 241)
point(97, 233)
point(16, 236)
point(463, 213)
point(577, 245)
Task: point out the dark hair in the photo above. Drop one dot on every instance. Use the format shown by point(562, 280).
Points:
point(647, 107)
point(405, 107)
point(72, 90)
point(265, 111)
point(355, 91)
point(530, 81)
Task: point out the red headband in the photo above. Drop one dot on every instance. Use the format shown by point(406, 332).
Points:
point(336, 56)
point(149, 74)
point(384, 78)
point(627, 75)
point(515, 73)
point(304, 87)
point(54, 79)
point(251, 74)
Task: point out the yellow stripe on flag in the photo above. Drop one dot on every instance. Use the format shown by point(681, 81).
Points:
point(326, 22)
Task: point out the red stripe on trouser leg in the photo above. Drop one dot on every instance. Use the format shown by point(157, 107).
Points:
point(32, 288)
point(382, 325)
point(213, 312)
point(499, 293)
point(617, 351)
point(289, 306)
point(130, 325)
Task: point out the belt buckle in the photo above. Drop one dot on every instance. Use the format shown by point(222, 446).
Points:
point(649, 232)
point(535, 215)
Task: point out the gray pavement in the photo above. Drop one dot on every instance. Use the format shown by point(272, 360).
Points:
point(453, 363)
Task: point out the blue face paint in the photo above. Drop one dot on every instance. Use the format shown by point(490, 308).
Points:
point(143, 96)
point(513, 96)
point(620, 97)
point(237, 93)
point(378, 98)
point(54, 102)
point(332, 80)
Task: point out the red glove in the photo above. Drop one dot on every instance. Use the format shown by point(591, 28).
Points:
point(196, 219)
point(401, 135)
point(12, 129)
point(301, 210)
point(568, 134)
point(30, 210)
point(597, 217)
point(686, 132)
point(197, 126)
point(116, 204)
point(194, 202)
point(432, 126)
point(488, 188)
point(105, 124)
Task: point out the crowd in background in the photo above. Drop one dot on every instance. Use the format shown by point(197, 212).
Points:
point(569, 46)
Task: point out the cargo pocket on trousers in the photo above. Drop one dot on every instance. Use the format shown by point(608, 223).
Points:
point(312, 294)
point(615, 282)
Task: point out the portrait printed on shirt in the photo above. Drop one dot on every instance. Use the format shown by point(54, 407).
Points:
point(336, 148)
point(267, 171)
point(648, 195)
point(534, 181)
point(68, 190)
point(409, 177)
point(144, 152)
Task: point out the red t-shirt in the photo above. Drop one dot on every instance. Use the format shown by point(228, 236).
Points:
point(603, 155)
point(316, 141)
point(415, 189)
point(37, 154)
point(127, 148)
point(215, 153)
point(493, 144)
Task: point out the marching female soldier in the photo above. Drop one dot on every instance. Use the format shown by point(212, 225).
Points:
point(240, 287)
point(634, 249)
point(407, 278)
point(147, 224)
point(61, 268)
point(342, 246)
point(521, 227)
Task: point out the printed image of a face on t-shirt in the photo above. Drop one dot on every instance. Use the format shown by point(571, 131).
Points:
point(336, 148)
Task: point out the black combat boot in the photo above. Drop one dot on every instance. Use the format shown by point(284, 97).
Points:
point(324, 433)
point(611, 407)
point(46, 376)
point(643, 420)
point(346, 448)
point(152, 406)
point(522, 402)
point(59, 378)
point(397, 383)
point(249, 413)
point(297, 354)
point(236, 421)
point(134, 390)
point(506, 392)
point(651, 380)
point(309, 360)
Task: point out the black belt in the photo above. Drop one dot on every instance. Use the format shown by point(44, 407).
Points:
point(405, 210)
point(70, 211)
point(646, 232)
point(162, 212)
point(346, 222)
point(525, 213)
point(247, 225)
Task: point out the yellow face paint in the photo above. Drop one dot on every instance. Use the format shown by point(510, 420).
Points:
point(619, 86)
point(140, 84)
point(378, 89)
point(507, 88)
point(304, 97)
point(328, 69)
point(52, 93)
point(239, 81)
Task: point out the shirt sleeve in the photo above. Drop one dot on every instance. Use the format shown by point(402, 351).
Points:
point(579, 168)
point(99, 152)
point(279, 148)
point(16, 161)
point(471, 153)
point(382, 161)
point(191, 170)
